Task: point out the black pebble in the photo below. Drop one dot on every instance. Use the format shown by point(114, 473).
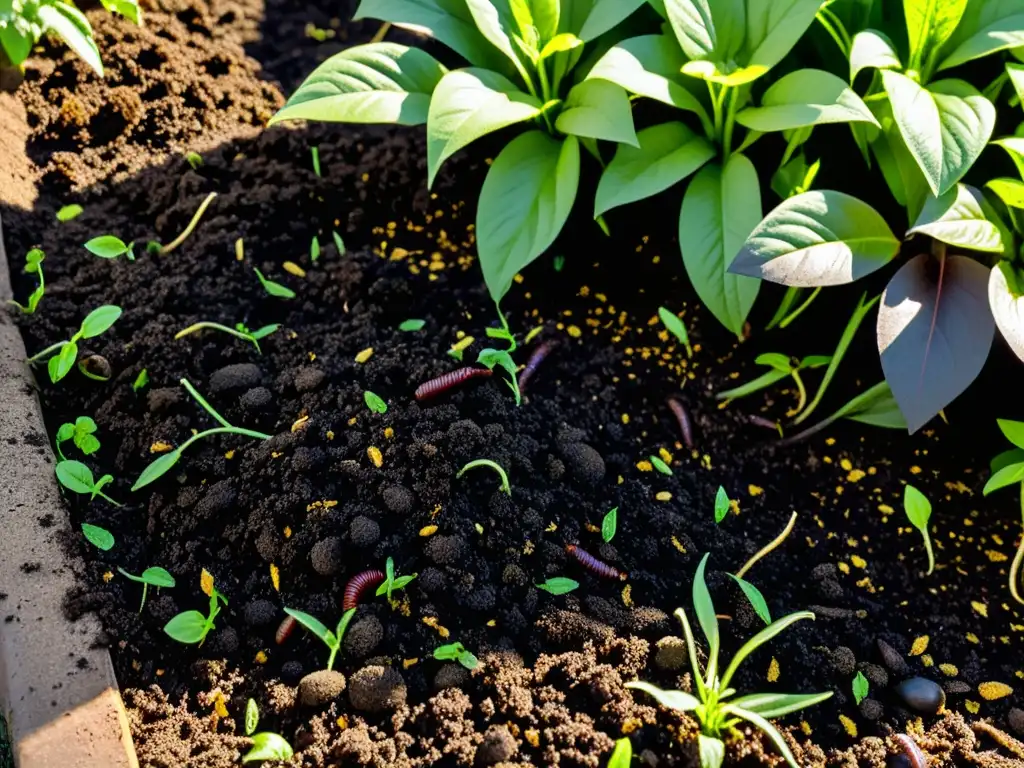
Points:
point(259, 613)
point(326, 556)
point(399, 499)
point(291, 672)
point(364, 532)
point(584, 463)
point(308, 379)
point(256, 399)
point(237, 376)
point(922, 695)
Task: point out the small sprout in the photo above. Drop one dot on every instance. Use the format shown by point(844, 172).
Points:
point(610, 524)
point(622, 755)
point(676, 328)
point(252, 717)
point(559, 585)
point(274, 289)
point(194, 159)
point(314, 249)
point(315, 151)
point(191, 627)
point(331, 639)
point(33, 265)
point(756, 599)
point(77, 478)
point(339, 244)
point(141, 380)
point(502, 357)
point(456, 652)
point(374, 402)
point(154, 576)
point(505, 487)
point(95, 367)
point(918, 510)
point(110, 247)
point(268, 746)
point(239, 331)
point(722, 504)
point(100, 538)
point(165, 249)
point(69, 212)
point(661, 466)
point(558, 262)
point(390, 583)
point(95, 323)
point(456, 353)
point(412, 325)
point(860, 688)
point(81, 433)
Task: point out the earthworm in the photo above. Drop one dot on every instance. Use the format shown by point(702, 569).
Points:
point(285, 629)
point(446, 381)
point(358, 584)
point(761, 421)
point(591, 563)
point(912, 751)
point(683, 417)
point(534, 362)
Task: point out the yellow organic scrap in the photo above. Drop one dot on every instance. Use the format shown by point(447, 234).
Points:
point(981, 608)
point(920, 645)
point(299, 423)
point(949, 670)
point(663, 496)
point(275, 577)
point(848, 725)
point(754, 490)
point(626, 598)
point(991, 691)
point(644, 466)
point(972, 706)
point(375, 456)
point(428, 530)
point(294, 269)
point(365, 355)
point(406, 663)
point(773, 670)
point(206, 582)
point(261, 657)
point(160, 447)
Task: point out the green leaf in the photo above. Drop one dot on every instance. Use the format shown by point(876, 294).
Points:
point(676, 327)
point(470, 103)
point(677, 700)
point(157, 577)
point(720, 209)
point(795, 177)
point(374, 83)
point(711, 751)
point(610, 524)
point(525, 200)
point(141, 380)
point(763, 381)
point(496, 21)
point(252, 717)
point(274, 289)
point(660, 465)
point(605, 15)
point(598, 109)
point(157, 468)
point(16, 42)
point(772, 705)
point(802, 98)
point(722, 502)
point(860, 687)
point(374, 402)
point(986, 27)
point(1006, 300)
point(917, 507)
point(769, 730)
point(666, 155)
point(1010, 191)
point(61, 364)
point(73, 28)
point(268, 746)
point(412, 325)
point(33, 259)
point(705, 608)
point(99, 320)
point(930, 23)
point(106, 246)
point(311, 623)
point(1006, 458)
point(468, 660)
point(449, 652)
point(1012, 431)
point(1009, 475)
point(756, 599)
point(100, 538)
point(773, 28)
point(817, 238)
point(945, 125)
point(75, 476)
point(562, 43)
point(871, 48)
point(69, 212)
point(559, 585)
point(189, 627)
point(762, 637)
point(957, 218)
point(343, 622)
point(622, 754)
point(339, 244)
point(875, 406)
point(87, 444)
point(693, 22)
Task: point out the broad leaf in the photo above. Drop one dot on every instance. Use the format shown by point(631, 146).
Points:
point(99, 320)
point(157, 468)
point(756, 599)
point(496, 21)
point(667, 154)
point(934, 332)
point(1008, 475)
point(470, 103)
point(986, 27)
point(898, 166)
point(707, 29)
point(957, 218)
point(815, 239)
point(711, 750)
point(189, 627)
point(525, 200)
point(75, 476)
point(268, 746)
point(1014, 146)
point(1006, 300)
point(872, 48)
point(544, 14)
point(375, 83)
point(917, 507)
point(1006, 458)
point(100, 538)
point(598, 109)
point(678, 700)
point(622, 755)
point(311, 623)
point(605, 15)
point(1015, 73)
point(773, 28)
point(772, 705)
point(74, 29)
point(806, 97)
point(945, 126)
point(721, 207)
point(930, 23)
point(1010, 191)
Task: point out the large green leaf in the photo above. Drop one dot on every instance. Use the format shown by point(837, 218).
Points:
point(73, 28)
point(705, 610)
point(1009, 475)
point(871, 48)
point(605, 15)
point(375, 83)
point(898, 166)
point(497, 22)
point(711, 751)
point(773, 28)
point(708, 29)
point(525, 200)
point(957, 218)
point(929, 24)
point(470, 103)
point(772, 705)
point(667, 154)
point(598, 109)
point(544, 15)
point(806, 97)
point(987, 26)
point(1009, 190)
point(934, 332)
point(815, 239)
point(1006, 300)
point(945, 125)
point(678, 700)
point(16, 42)
point(721, 207)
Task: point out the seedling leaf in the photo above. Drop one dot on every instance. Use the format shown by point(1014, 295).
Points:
point(99, 320)
point(559, 585)
point(918, 510)
point(252, 717)
point(69, 212)
point(610, 524)
point(374, 402)
point(449, 652)
point(756, 599)
point(860, 687)
point(676, 328)
point(678, 700)
point(75, 476)
point(313, 624)
point(274, 289)
point(141, 380)
point(314, 249)
point(661, 466)
point(622, 755)
point(412, 325)
point(189, 627)
point(157, 469)
point(721, 504)
point(155, 576)
point(268, 746)
point(339, 244)
point(100, 538)
point(107, 246)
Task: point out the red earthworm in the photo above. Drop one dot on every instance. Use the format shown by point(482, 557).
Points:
point(358, 584)
point(761, 421)
point(683, 417)
point(912, 751)
point(534, 362)
point(446, 381)
point(591, 563)
point(285, 629)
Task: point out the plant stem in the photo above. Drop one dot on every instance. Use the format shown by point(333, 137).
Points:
point(217, 327)
point(330, 659)
point(1018, 558)
point(768, 548)
point(116, 504)
point(380, 34)
point(52, 348)
point(802, 395)
point(145, 588)
point(928, 550)
point(796, 312)
point(732, 94)
point(191, 225)
point(202, 401)
point(492, 465)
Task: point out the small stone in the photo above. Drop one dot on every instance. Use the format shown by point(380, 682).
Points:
point(399, 499)
point(308, 379)
point(870, 709)
point(957, 687)
point(451, 676)
point(260, 613)
point(498, 746)
point(364, 532)
point(321, 688)
point(514, 575)
point(233, 377)
point(892, 659)
point(160, 400)
point(255, 399)
point(327, 556)
point(1015, 717)
point(223, 641)
point(922, 695)
point(291, 672)
point(670, 653)
point(376, 688)
point(877, 676)
point(584, 463)
point(843, 661)
point(363, 637)
point(825, 571)
point(431, 580)
point(445, 550)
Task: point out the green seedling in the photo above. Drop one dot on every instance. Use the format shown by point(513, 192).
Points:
point(155, 576)
point(860, 688)
point(505, 487)
point(162, 465)
point(757, 601)
point(622, 754)
point(141, 380)
point(155, 247)
point(875, 406)
point(315, 151)
point(660, 465)
point(95, 323)
point(94, 367)
point(252, 717)
point(1008, 469)
point(100, 538)
point(676, 328)
point(274, 289)
point(331, 639)
point(69, 212)
point(268, 746)
point(610, 524)
point(781, 367)
point(722, 504)
point(77, 478)
point(239, 331)
point(559, 585)
point(390, 583)
point(558, 263)
point(314, 249)
point(456, 652)
point(374, 402)
point(491, 357)
point(194, 159)
point(110, 247)
point(714, 708)
point(81, 433)
point(191, 627)
point(918, 510)
point(412, 325)
point(33, 266)
point(339, 244)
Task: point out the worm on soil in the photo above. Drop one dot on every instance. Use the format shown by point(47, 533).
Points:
point(591, 563)
point(761, 421)
point(683, 417)
point(358, 584)
point(912, 751)
point(534, 362)
point(285, 629)
point(446, 381)
point(771, 545)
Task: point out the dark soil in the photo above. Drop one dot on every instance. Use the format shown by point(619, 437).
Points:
point(313, 505)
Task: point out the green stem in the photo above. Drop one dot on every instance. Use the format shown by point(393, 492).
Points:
point(191, 225)
point(802, 394)
point(216, 327)
point(145, 588)
point(116, 504)
point(1018, 558)
point(796, 312)
point(52, 348)
point(202, 401)
point(833, 33)
point(545, 86)
point(838, 25)
point(334, 653)
point(730, 121)
point(928, 550)
point(492, 465)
